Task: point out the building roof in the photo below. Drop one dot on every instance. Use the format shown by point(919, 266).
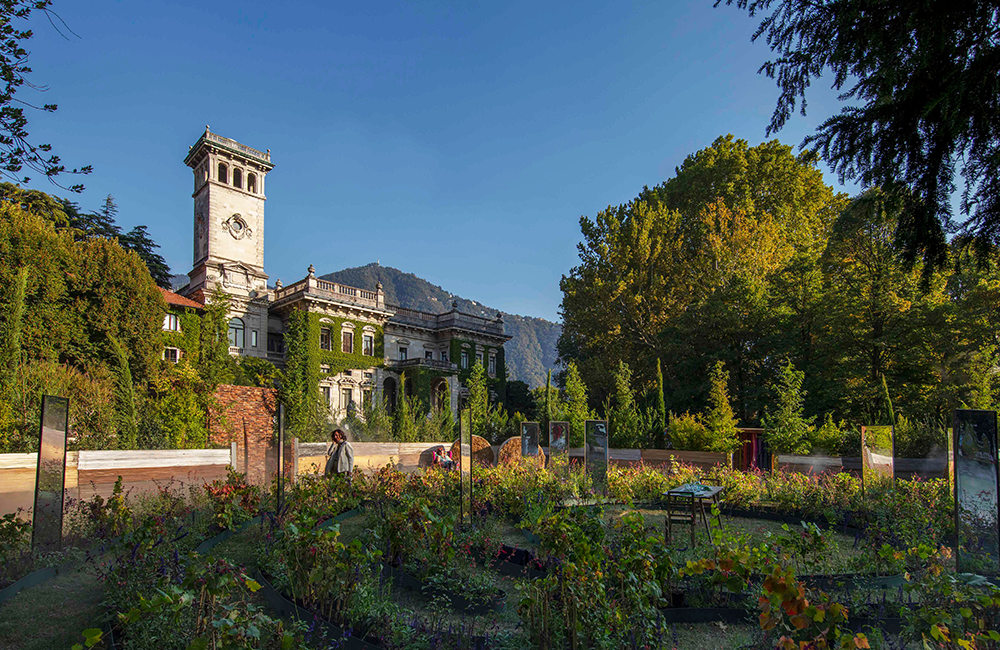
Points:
point(179, 301)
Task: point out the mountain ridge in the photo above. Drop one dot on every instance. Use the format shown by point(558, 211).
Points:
point(531, 350)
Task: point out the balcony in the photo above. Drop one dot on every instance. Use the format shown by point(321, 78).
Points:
point(397, 364)
point(332, 291)
point(453, 319)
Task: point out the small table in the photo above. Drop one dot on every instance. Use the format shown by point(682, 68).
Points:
point(701, 493)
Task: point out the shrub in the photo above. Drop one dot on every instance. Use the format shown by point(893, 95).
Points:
point(688, 433)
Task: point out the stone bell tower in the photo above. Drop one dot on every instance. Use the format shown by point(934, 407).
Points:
point(229, 234)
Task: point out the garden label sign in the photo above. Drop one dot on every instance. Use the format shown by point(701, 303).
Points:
point(529, 438)
point(596, 452)
point(46, 533)
point(282, 455)
point(877, 445)
point(465, 463)
point(976, 491)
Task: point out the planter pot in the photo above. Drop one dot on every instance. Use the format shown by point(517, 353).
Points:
point(347, 514)
point(458, 600)
point(705, 615)
point(512, 561)
point(285, 607)
point(212, 542)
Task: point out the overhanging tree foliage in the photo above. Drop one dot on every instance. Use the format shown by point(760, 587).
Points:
point(921, 84)
point(17, 153)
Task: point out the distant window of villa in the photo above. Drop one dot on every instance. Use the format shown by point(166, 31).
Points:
point(368, 345)
point(326, 395)
point(324, 338)
point(171, 323)
point(369, 376)
point(444, 355)
point(479, 358)
point(465, 359)
point(402, 354)
point(253, 338)
point(236, 333)
point(252, 183)
point(346, 398)
point(429, 355)
point(366, 398)
point(347, 342)
point(493, 364)
point(223, 173)
point(348, 373)
point(173, 355)
point(324, 367)
point(238, 178)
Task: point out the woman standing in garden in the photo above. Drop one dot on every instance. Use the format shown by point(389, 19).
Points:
point(341, 461)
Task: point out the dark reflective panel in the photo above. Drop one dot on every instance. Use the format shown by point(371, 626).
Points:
point(465, 462)
point(559, 447)
point(51, 474)
point(529, 438)
point(976, 489)
point(876, 454)
point(558, 437)
point(596, 452)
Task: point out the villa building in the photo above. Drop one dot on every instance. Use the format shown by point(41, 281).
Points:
point(360, 348)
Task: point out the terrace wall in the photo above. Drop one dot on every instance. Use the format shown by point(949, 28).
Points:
point(90, 473)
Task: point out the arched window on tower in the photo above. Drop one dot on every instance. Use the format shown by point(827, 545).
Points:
point(252, 183)
point(238, 178)
point(223, 173)
point(236, 330)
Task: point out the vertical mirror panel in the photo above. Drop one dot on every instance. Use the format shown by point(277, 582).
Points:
point(976, 491)
point(596, 453)
point(465, 463)
point(529, 438)
point(559, 447)
point(51, 474)
point(876, 455)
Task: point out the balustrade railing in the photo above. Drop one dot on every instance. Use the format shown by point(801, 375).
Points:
point(233, 144)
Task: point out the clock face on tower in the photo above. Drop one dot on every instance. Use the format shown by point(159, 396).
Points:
point(237, 227)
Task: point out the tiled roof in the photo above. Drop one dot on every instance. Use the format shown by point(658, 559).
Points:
point(178, 300)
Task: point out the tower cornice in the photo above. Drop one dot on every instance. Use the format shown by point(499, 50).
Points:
point(209, 140)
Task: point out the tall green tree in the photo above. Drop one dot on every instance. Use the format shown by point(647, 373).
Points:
point(138, 240)
point(690, 269)
point(660, 419)
point(922, 104)
point(786, 429)
point(126, 412)
point(478, 398)
point(720, 421)
point(10, 344)
point(576, 410)
point(627, 430)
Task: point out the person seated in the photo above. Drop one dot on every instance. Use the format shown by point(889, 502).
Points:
point(447, 462)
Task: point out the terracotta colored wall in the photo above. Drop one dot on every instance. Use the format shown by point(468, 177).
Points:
point(245, 415)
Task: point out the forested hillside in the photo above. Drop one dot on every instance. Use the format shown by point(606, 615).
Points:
point(531, 351)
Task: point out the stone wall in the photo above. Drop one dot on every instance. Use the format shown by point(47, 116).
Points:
point(245, 415)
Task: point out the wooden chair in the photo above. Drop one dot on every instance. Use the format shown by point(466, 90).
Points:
point(683, 509)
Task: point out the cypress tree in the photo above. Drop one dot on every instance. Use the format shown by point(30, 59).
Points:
point(126, 414)
point(661, 409)
point(10, 346)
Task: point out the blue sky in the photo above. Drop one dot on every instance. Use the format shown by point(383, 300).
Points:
point(460, 142)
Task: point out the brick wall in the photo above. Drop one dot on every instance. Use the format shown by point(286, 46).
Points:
point(245, 415)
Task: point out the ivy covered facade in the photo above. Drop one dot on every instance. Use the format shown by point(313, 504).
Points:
point(340, 346)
